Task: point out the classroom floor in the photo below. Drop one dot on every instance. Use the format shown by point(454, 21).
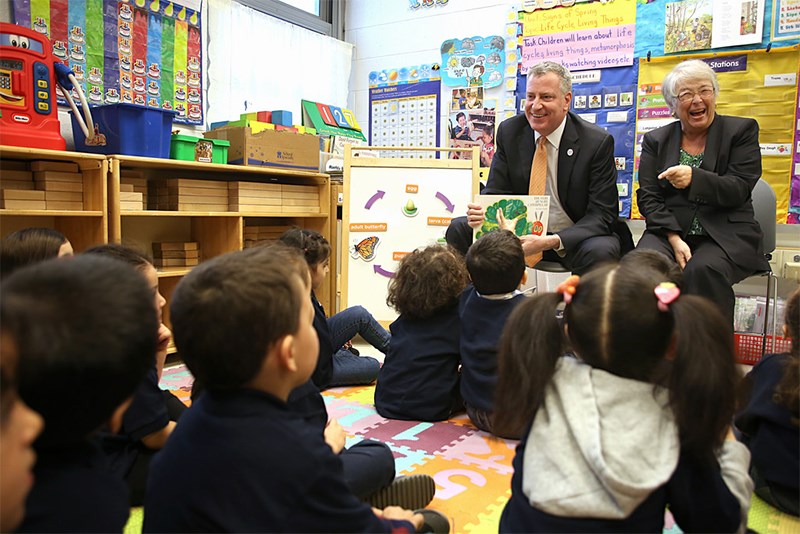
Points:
point(471, 468)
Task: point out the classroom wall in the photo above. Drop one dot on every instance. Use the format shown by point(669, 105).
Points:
point(389, 34)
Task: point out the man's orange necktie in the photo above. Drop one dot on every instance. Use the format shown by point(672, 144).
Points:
point(538, 184)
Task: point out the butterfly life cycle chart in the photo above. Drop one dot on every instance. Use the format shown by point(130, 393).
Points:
point(392, 207)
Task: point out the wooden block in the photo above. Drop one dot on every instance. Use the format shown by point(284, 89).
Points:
point(13, 165)
point(159, 262)
point(56, 176)
point(292, 194)
point(130, 196)
point(19, 194)
point(299, 188)
point(185, 199)
point(177, 254)
point(12, 174)
point(257, 200)
point(22, 204)
point(192, 191)
point(300, 202)
point(126, 188)
point(254, 207)
point(71, 196)
point(175, 245)
point(49, 185)
point(58, 166)
point(186, 182)
point(131, 206)
point(199, 207)
point(17, 184)
point(64, 205)
point(135, 181)
point(254, 186)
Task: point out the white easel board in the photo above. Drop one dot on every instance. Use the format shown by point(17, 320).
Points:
point(393, 206)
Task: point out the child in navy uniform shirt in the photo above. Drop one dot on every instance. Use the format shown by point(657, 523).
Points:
point(496, 266)
point(419, 377)
point(85, 333)
point(769, 422)
point(153, 413)
point(251, 463)
point(635, 423)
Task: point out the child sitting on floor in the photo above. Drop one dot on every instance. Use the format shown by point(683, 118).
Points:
point(85, 334)
point(151, 417)
point(496, 266)
point(419, 377)
point(633, 425)
point(770, 423)
point(336, 365)
point(256, 465)
point(19, 426)
point(32, 245)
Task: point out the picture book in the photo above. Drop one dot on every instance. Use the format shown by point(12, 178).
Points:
point(522, 214)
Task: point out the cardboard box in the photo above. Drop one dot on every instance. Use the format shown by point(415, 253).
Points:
point(270, 148)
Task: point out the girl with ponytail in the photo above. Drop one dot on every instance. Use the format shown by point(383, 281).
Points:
point(637, 421)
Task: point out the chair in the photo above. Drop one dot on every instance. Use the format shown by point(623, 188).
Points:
point(764, 208)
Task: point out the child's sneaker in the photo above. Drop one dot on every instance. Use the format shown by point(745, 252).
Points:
point(411, 492)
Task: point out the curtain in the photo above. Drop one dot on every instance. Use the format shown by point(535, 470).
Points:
point(256, 62)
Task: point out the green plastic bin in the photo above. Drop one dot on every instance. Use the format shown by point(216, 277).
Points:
point(191, 148)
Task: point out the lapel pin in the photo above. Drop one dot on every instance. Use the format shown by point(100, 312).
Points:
point(569, 152)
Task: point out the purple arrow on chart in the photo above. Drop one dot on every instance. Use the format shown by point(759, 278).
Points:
point(374, 198)
point(382, 272)
point(447, 204)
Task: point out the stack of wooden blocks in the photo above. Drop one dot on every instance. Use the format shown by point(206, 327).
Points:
point(254, 197)
point(176, 254)
point(62, 183)
point(47, 185)
point(183, 194)
point(17, 189)
point(132, 183)
point(299, 199)
point(258, 235)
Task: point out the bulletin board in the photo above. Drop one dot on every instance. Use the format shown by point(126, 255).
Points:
point(393, 206)
point(130, 51)
point(757, 84)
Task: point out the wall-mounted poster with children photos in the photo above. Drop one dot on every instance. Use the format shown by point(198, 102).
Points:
point(145, 52)
point(390, 211)
point(471, 125)
point(607, 98)
point(473, 61)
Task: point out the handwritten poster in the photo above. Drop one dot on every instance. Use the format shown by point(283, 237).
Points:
point(581, 37)
point(145, 52)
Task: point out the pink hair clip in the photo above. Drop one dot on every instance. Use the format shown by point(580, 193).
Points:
point(666, 293)
point(568, 287)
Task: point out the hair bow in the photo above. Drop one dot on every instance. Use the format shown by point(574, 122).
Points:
point(568, 287)
point(666, 293)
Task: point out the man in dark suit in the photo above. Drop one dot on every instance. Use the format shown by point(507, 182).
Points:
point(581, 176)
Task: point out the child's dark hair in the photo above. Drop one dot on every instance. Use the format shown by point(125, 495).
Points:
point(614, 323)
point(652, 259)
point(131, 256)
point(229, 311)
point(427, 281)
point(788, 390)
point(28, 246)
point(496, 263)
point(85, 334)
point(313, 245)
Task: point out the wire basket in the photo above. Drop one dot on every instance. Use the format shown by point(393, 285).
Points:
point(748, 347)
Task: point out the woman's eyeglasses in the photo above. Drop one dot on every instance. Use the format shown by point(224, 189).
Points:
point(688, 96)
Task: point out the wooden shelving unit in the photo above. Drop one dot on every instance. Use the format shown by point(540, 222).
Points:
point(84, 228)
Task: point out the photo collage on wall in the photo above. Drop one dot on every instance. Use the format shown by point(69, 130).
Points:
point(471, 123)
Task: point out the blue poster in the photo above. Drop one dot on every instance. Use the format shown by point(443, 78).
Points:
point(607, 98)
point(473, 61)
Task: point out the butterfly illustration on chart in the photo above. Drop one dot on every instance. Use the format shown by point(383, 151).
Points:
point(365, 249)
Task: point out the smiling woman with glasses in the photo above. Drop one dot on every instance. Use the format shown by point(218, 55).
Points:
point(696, 176)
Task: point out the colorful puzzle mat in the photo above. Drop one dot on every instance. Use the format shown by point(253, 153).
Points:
point(471, 468)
